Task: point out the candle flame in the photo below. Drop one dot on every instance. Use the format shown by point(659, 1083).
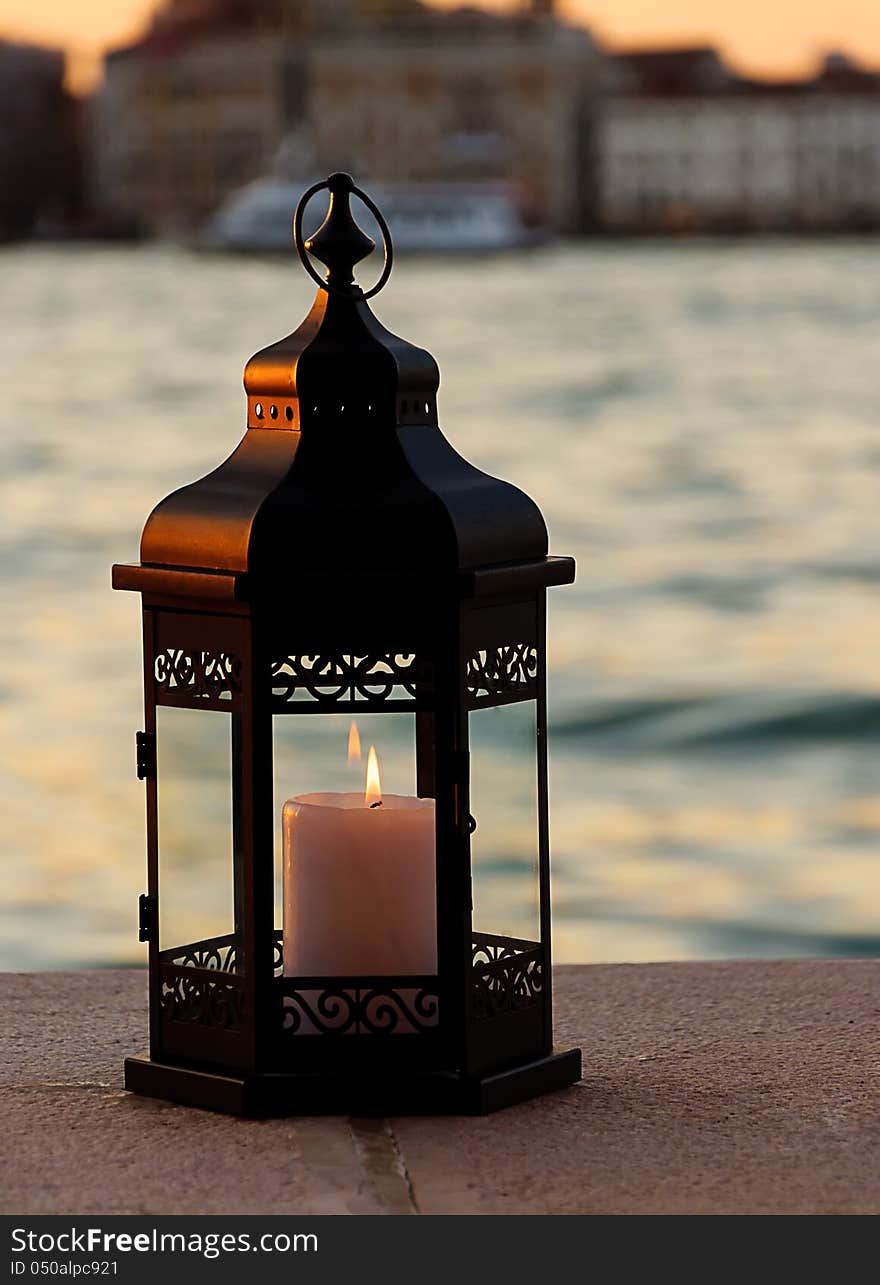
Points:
point(354, 743)
point(373, 792)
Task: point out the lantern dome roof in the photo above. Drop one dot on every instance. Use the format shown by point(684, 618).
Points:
point(343, 471)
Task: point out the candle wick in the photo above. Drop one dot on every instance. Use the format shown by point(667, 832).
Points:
point(377, 804)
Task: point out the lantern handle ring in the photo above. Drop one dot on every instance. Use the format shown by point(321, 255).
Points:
point(352, 291)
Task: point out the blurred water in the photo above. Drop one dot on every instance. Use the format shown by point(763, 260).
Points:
point(699, 423)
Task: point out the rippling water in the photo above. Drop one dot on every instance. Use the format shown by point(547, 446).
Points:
point(700, 425)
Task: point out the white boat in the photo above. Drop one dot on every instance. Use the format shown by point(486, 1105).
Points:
point(429, 218)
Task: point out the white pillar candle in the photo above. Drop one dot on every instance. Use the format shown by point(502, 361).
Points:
point(359, 886)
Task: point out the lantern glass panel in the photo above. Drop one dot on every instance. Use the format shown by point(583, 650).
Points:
point(343, 885)
point(197, 860)
point(504, 804)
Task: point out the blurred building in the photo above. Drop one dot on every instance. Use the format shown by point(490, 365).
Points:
point(39, 140)
point(684, 144)
point(417, 94)
point(191, 111)
point(391, 89)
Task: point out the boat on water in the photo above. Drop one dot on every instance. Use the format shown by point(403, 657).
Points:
point(427, 218)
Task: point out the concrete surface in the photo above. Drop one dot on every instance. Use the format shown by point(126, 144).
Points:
point(708, 1088)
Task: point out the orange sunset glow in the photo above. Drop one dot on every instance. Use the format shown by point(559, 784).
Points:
point(784, 38)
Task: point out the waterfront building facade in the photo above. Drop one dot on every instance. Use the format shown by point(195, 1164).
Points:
point(394, 89)
point(683, 146)
point(179, 123)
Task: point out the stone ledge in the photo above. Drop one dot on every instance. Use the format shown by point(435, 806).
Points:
point(709, 1088)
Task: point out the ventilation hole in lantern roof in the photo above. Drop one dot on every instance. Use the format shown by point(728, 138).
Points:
point(289, 412)
point(273, 411)
point(404, 405)
point(258, 410)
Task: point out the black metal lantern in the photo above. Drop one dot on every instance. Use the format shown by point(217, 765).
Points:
point(343, 559)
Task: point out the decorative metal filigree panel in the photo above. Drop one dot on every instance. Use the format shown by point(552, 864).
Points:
point(189, 996)
point(507, 671)
point(508, 976)
point(219, 954)
point(373, 1009)
point(198, 675)
point(340, 680)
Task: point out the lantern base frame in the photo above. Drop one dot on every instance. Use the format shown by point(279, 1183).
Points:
point(265, 1094)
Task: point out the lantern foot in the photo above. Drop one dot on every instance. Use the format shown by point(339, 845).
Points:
point(321, 1093)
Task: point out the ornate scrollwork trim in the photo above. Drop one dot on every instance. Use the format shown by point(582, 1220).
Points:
point(372, 1009)
point(189, 996)
point(337, 679)
point(509, 670)
point(220, 955)
point(506, 978)
point(198, 675)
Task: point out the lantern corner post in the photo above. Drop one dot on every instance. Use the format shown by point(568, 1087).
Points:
point(450, 771)
point(254, 856)
point(544, 818)
point(147, 768)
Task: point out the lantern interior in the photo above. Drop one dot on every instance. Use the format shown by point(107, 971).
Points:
point(356, 922)
point(199, 869)
point(504, 805)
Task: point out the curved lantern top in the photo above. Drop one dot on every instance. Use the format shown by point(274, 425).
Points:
point(343, 471)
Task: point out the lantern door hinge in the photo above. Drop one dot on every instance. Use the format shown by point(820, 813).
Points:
point(146, 755)
point(146, 917)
